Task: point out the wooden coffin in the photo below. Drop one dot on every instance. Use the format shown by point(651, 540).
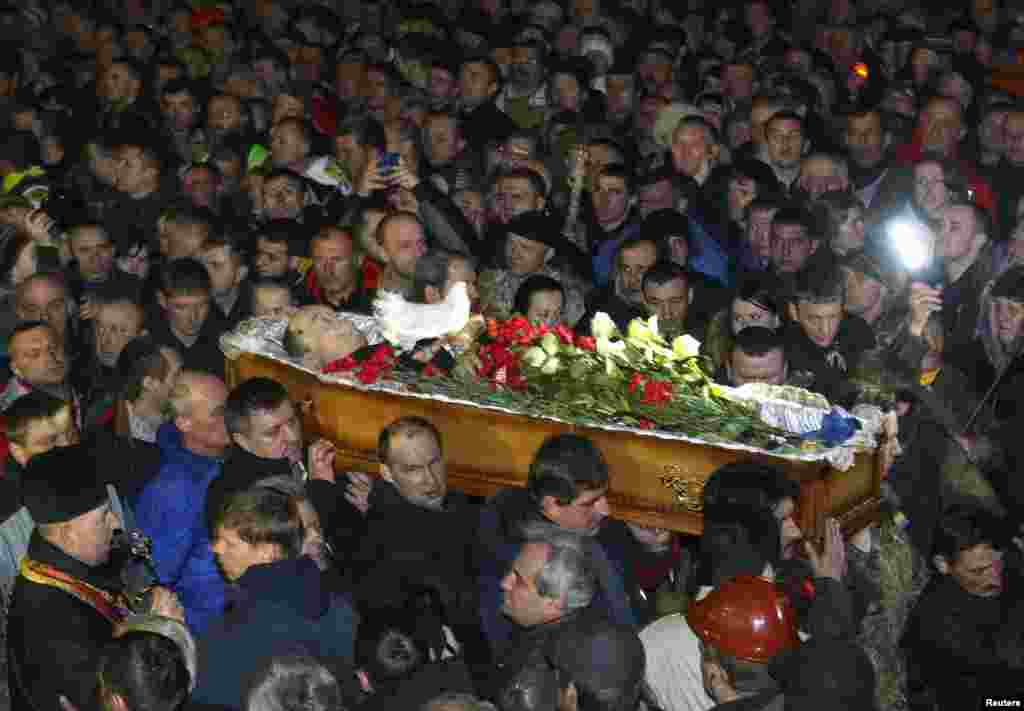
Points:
point(1009, 78)
point(487, 450)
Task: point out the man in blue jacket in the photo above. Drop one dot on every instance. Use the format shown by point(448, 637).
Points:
point(279, 602)
point(171, 508)
point(567, 489)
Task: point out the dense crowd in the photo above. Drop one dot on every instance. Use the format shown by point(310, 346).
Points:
point(824, 193)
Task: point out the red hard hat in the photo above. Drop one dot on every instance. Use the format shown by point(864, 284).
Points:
point(747, 617)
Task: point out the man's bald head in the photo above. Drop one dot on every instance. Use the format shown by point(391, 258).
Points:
point(190, 388)
point(402, 241)
point(43, 297)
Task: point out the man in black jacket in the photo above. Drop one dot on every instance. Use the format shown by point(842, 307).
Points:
point(964, 637)
point(482, 120)
point(65, 604)
point(185, 320)
point(267, 441)
point(824, 343)
point(547, 593)
point(414, 497)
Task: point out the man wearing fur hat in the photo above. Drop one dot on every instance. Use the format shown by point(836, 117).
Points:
point(533, 244)
point(65, 602)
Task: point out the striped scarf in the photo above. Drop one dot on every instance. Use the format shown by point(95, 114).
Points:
point(112, 607)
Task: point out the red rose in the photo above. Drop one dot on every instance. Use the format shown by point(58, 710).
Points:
point(565, 334)
point(587, 343)
point(635, 382)
point(368, 375)
point(341, 365)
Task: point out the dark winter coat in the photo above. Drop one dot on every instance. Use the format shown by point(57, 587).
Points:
point(53, 639)
point(277, 607)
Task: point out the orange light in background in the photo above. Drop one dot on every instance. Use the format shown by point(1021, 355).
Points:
point(860, 69)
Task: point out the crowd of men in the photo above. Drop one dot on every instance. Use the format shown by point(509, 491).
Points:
point(825, 193)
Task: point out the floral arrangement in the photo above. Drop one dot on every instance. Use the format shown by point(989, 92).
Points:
point(637, 379)
point(367, 364)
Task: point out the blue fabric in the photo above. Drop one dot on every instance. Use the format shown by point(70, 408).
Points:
point(604, 260)
point(277, 607)
point(708, 256)
point(836, 428)
point(171, 511)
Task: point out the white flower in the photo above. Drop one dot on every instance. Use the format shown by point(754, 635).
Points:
point(686, 346)
point(639, 331)
point(551, 366)
point(550, 343)
point(611, 348)
point(602, 326)
point(535, 356)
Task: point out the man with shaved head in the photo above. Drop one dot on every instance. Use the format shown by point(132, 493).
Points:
point(44, 297)
point(171, 508)
point(402, 238)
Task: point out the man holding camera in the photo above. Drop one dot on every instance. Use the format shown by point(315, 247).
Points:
point(65, 604)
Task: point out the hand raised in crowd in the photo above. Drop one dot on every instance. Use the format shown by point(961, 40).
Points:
point(38, 225)
point(924, 301)
point(87, 310)
point(405, 177)
point(321, 460)
point(830, 562)
point(357, 492)
point(372, 179)
point(166, 604)
point(716, 680)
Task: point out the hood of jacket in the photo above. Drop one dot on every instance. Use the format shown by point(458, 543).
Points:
point(295, 583)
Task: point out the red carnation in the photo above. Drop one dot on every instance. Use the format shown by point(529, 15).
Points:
point(587, 343)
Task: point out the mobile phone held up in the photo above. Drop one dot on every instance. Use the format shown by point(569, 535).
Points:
point(388, 163)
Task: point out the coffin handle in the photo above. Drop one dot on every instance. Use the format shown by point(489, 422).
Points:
point(687, 488)
point(308, 411)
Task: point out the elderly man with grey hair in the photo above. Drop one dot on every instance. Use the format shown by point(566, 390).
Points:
point(547, 593)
